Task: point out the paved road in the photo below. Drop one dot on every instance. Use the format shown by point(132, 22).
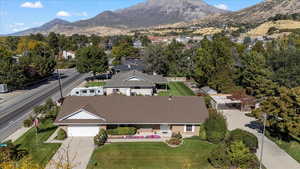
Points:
point(273, 156)
point(14, 111)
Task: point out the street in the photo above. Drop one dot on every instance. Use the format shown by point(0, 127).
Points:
point(14, 111)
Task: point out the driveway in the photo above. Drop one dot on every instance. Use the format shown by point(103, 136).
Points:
point(273, 156)
point(75, 151)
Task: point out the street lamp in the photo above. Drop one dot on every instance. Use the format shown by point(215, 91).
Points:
point(262, 139)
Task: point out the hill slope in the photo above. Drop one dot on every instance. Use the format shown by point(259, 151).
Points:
point(149, 13)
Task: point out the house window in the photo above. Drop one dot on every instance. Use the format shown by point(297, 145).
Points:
point(189, 128)
point(92, 91)
point(84, 91)
point(116, 90)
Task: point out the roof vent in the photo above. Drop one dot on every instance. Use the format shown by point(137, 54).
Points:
point(170, 98)
point(129, 66)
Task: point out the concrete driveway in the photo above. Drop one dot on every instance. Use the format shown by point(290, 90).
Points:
point(75, 151)
point(273, 156)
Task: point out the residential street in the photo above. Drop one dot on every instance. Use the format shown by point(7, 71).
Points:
point(273, 157)
point(16, 109)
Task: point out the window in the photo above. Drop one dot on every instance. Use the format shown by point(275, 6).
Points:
point(84, 91)
point(116, 90)
point(77, 92)
point(92, 91)
point(189, 128)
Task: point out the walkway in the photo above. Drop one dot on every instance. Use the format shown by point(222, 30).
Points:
point(75, 151)
point(273, 156)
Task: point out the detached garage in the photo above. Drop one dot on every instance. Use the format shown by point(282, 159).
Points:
point(83, 131)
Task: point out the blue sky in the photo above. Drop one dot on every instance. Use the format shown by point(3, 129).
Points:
point(17, 15)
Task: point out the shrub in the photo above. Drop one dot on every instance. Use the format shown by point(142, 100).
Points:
point(28, 122)
point(177, 135)
point(122, 131)
point(215, 127)
point(218, 157)
point(174, 141)
point(61, 134)
point(249, 139)
point(240, 156)
point(202, 133)
point(100, 138)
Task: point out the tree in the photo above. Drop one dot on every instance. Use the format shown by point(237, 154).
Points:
point(156, 60)
point(123, 50)
point(255, 77)
point(283, 113)
point(12, 42)
point(214, 64)
point(215, 127)
point(53, 42)
point(91, 59)
point(100, 138)
point(240, 156)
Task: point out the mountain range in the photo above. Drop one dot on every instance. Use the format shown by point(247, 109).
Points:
point(161, 12)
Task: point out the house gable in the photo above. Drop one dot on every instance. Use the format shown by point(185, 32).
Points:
point(82, 114)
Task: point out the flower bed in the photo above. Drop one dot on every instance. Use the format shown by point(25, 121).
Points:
point(135, 137)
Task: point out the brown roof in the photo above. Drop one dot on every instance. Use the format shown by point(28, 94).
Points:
point(135, 109)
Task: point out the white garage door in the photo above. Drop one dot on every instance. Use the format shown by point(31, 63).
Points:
point(83, 131)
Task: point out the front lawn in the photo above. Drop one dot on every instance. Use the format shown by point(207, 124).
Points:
point(94, 84)
point(192, 154)
point(177, 89)
point(40, 152)
point(292, 147)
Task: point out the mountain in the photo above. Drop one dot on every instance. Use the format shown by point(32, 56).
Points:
point(152, 13)
point(260, 12)
point(45, 27)
point(145, 14)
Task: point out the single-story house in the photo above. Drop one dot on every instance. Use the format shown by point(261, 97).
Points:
point(134, 82)
point(163, 115)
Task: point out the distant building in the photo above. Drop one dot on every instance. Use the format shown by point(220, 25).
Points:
point(137, 44)
point(134, 83)
point(87, 91)
point(128, 65)
point(3, 88)
point(68, 55)
point(207, 90)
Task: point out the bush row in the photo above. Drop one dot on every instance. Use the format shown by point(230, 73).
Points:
point(122, 131)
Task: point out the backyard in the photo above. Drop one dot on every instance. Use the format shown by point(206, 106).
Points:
point(177, 89)
point(40, 152)
point(192, 154)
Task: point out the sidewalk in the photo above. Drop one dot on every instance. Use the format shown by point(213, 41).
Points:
point(17, 134)
point(273, 156)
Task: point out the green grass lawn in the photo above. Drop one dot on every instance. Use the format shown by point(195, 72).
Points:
point(177, 89)
point(40, 152)
point(192, 154)
point(292, 147)
point(93, 84)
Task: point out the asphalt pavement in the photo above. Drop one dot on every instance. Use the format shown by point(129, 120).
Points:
point(14, 111)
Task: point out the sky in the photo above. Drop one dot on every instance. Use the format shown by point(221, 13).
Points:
point(18, 15)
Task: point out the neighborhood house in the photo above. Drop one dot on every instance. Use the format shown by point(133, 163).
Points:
point(161, 115)
point(133, 83)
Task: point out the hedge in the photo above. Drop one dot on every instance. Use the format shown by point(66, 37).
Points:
point(122, 131)
point(61, 134)
point(249, 139)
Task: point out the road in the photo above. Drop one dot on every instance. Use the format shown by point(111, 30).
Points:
point(14, 111)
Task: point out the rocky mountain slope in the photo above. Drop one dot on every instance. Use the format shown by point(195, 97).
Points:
point(149, 13)
point(258, 13)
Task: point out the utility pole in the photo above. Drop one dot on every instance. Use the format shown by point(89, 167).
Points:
point(262, 139)
point(59, 83)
